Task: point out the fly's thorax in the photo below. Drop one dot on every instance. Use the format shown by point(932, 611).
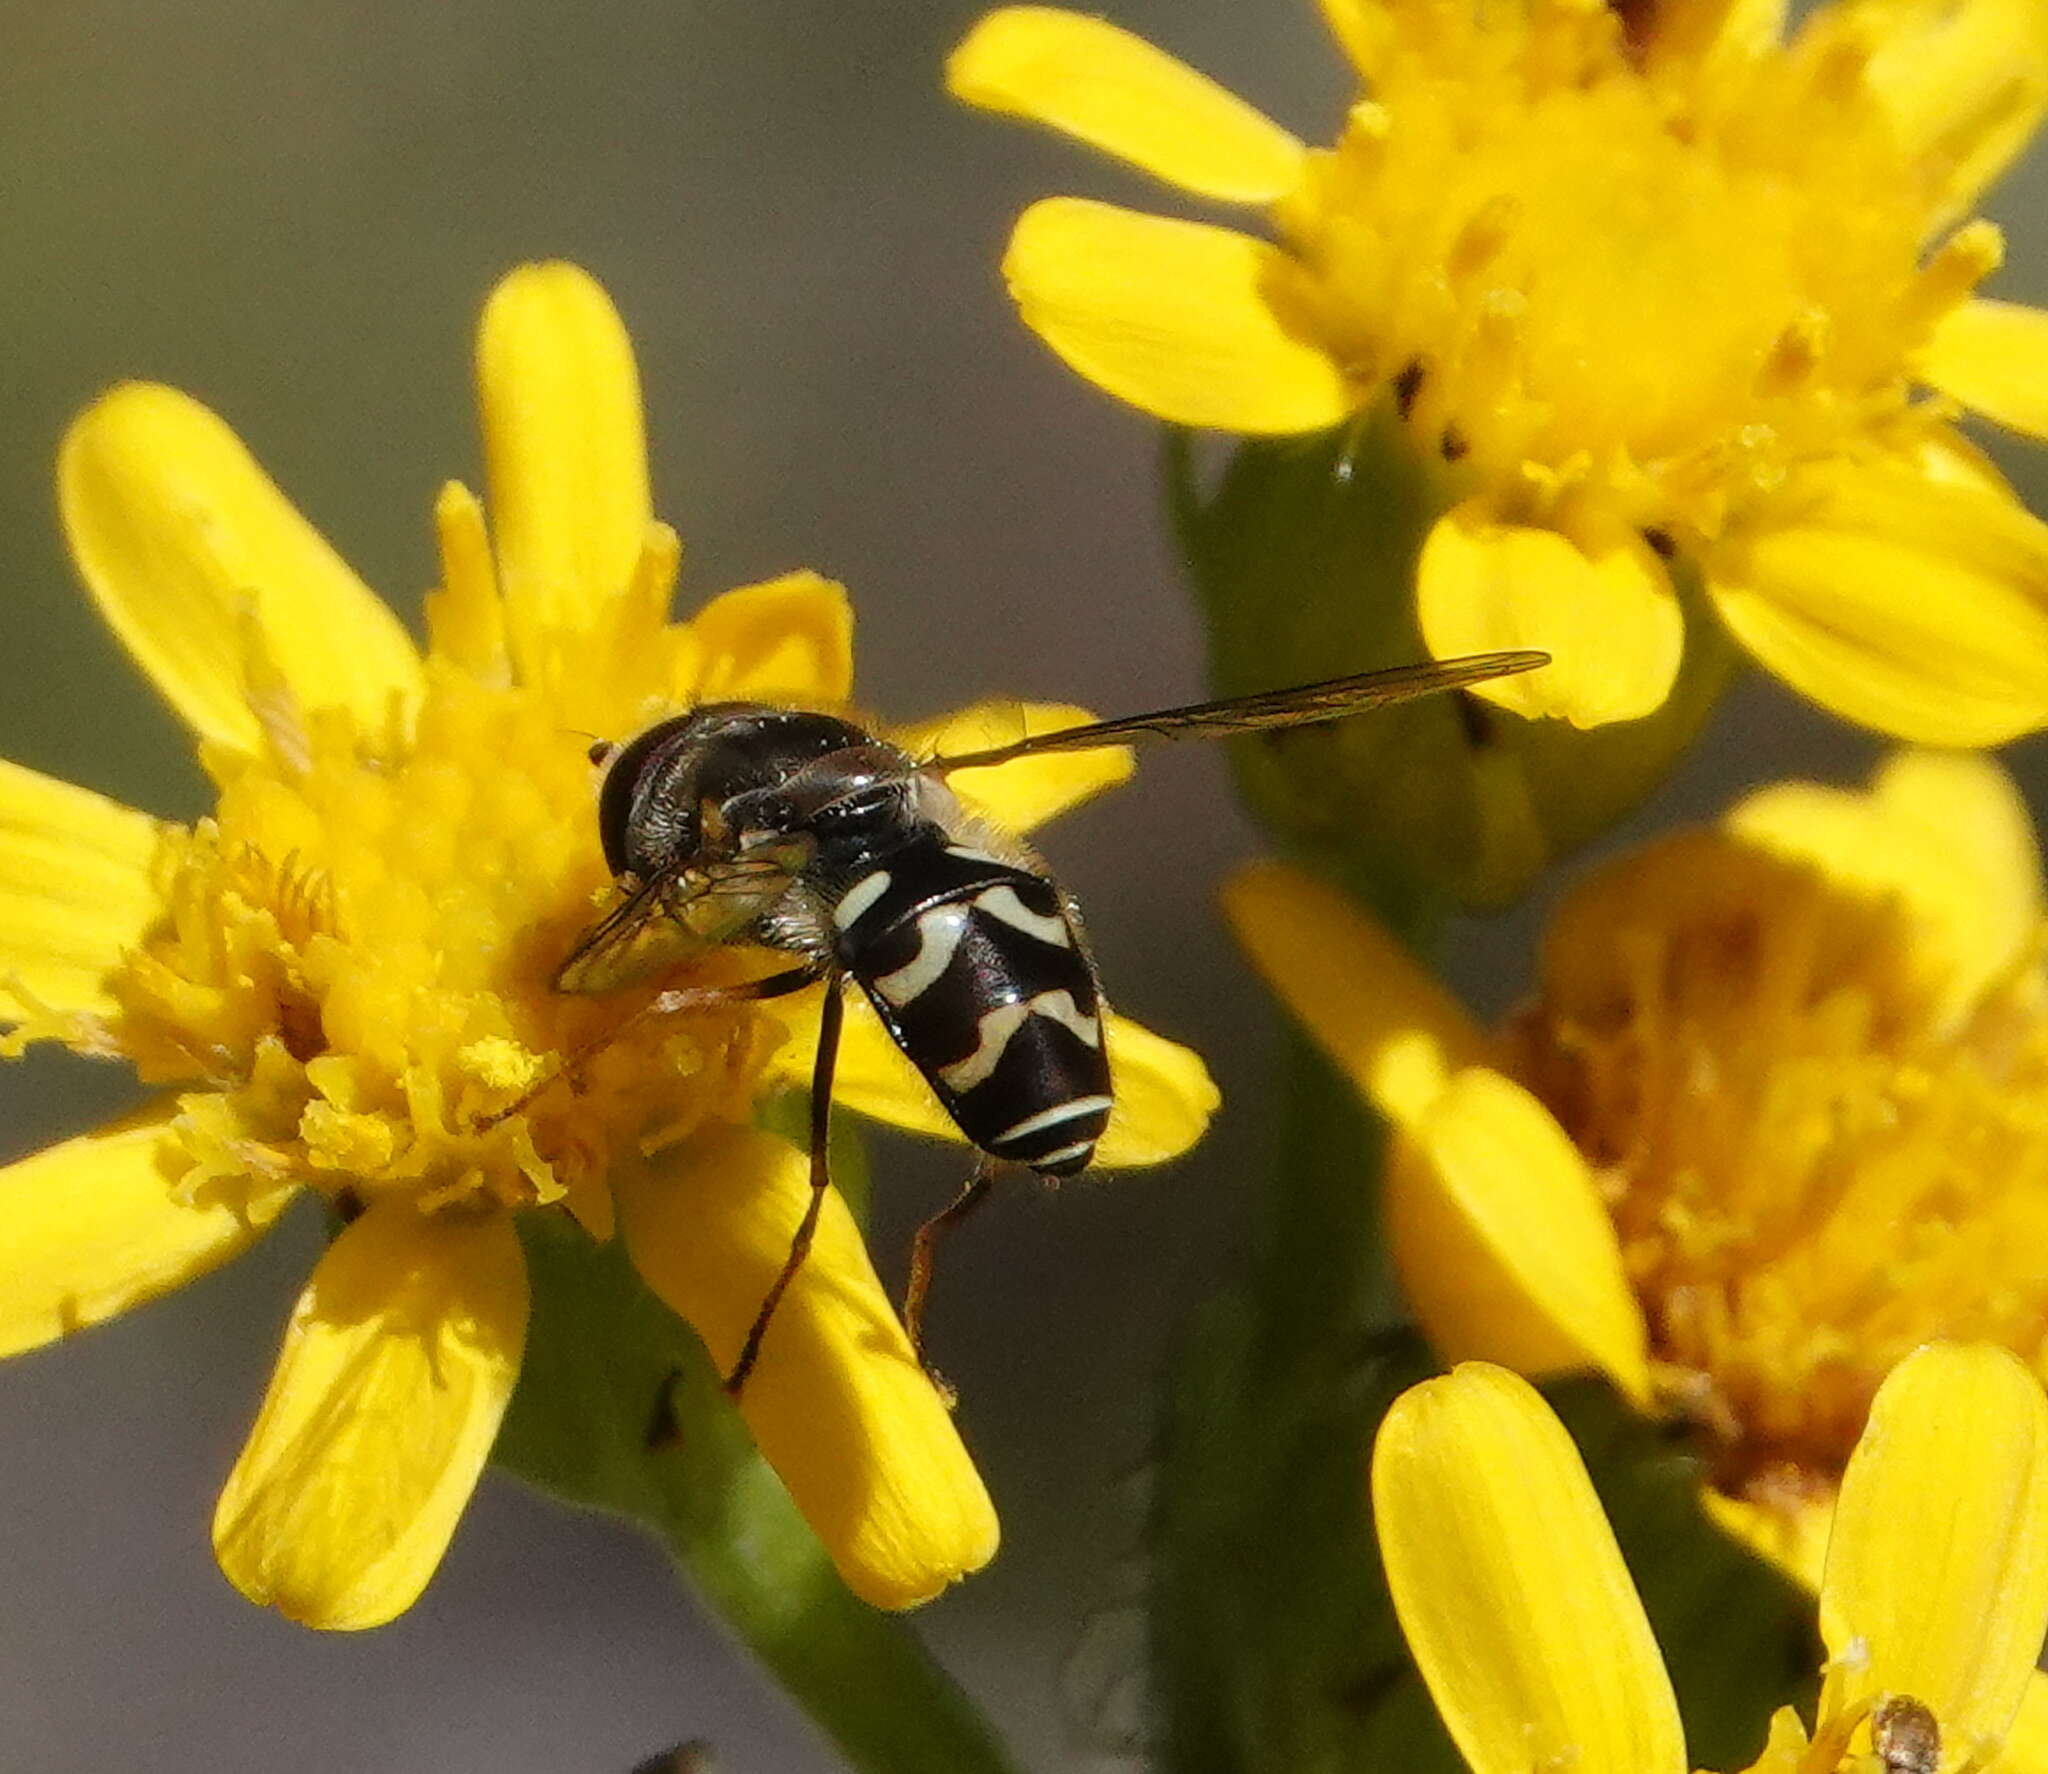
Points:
point(666, 793)
point(977, 970)
point(837, 812)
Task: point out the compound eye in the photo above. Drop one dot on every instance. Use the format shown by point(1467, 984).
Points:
point(602, 751)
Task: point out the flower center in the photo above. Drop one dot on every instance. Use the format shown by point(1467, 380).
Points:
point(1812, 1164)
point(1574, 271)
point(355, 970)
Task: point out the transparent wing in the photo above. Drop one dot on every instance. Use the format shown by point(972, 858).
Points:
point(1299, 706)
point(667, 919)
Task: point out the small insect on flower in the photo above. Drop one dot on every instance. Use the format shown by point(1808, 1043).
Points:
point(804, 833)
point(1906, 1736)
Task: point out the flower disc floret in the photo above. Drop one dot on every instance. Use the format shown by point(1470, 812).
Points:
point(1814, 1159)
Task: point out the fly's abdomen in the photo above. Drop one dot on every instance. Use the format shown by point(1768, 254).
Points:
point(977, 972)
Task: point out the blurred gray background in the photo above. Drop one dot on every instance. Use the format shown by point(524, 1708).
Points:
point(294, 211)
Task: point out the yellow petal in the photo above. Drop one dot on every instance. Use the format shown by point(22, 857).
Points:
point(564, 449)
point(1993, 356)
point(1015, 797)
point(1503, 1242)
point(1962, 82)
point(98, 1224)
point(2026, 1743)
point(1378, 1013)
point(465, 616)
point(1364, 31)
point(1785, 1747)
point(1114, 91)
point(872, 1077)
point(396, 1369)
point(1916, 607)
point(837, 1404)
point(1188, 322)
point(1946, 457)
point(1714, 35)
point(1945, 831)
point(1607, 618)
point(1164, 1094)
point(1938, 1565)
point(75, 891)
point(211, 579)
point(1791, 1534)
point(1164, 1097)
point(1510, 1588)
point(788, 640)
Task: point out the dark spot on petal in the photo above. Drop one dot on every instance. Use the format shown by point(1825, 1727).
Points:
point(1408, 386)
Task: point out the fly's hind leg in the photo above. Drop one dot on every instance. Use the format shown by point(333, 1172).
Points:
point(924, 1255)
point(832, 1014)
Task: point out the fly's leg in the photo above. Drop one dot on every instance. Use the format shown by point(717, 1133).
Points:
point(924, 1254)
point(666, 1003)
point(831, 1015)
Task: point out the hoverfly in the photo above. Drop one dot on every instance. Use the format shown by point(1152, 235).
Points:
point(802, 832)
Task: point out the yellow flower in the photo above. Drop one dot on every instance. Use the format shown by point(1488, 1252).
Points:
point(1653, 294)
point(340, 981)
point(1529, 1633)
point(1778, 1114)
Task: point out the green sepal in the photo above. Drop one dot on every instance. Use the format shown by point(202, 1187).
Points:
point(1303, 556)
point(618, 1408)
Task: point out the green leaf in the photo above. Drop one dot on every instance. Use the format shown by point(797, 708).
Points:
point(618, 1408)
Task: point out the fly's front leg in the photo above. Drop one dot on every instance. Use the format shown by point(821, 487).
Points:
point(832, 1014)
point(924, 1254)
point(666, 1003)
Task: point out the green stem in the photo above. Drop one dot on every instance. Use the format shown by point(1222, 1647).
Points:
point(619, 1409)
point(1274, 1648)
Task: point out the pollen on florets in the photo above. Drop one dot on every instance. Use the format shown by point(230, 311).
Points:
point(353, 974)
point(1815, 1160)
point(1642, 284)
